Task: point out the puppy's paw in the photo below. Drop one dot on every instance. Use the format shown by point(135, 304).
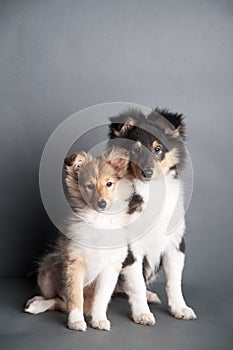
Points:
point(152, 297)
point(77, 325)
point(38, 304)
point(145, 319)
point(185, 313)
point(30, 302)
point(76, 320)
point(104, 325)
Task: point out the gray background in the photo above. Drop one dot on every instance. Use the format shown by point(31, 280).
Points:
point(57, 57)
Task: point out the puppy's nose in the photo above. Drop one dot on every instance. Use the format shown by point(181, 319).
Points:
point(101, 204)
point(147, 173)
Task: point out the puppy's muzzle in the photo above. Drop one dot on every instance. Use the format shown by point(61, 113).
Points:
point(147, 173)
point(102, 204)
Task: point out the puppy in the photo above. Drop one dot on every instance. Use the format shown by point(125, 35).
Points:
point(157, 153)
point(73, 270)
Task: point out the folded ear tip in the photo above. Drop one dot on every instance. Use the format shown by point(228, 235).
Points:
point(122, 123)
point(171, 122)
point(119, 162)
point(69, 160)
point(75, 160)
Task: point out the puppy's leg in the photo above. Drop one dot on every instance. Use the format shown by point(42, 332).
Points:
point(104, 288)
point(89, 293)
point(74, 279)
point(136, 289)
point(173, 263)
point(39, 304)
point(152, 297)
point(46, 280)
point(48, 300)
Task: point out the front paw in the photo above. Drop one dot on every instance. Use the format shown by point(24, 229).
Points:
point(77, 325)
point(104, 325)
point(145, 319)
point(76, 320)
point(185, 313)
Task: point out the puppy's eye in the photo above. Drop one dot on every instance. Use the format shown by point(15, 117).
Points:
point(109, 184)
point(137, 149)
point(90, 186)
point(158, 149)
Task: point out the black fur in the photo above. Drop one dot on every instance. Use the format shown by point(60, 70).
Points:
point(174, 168)
point(129, 260)
point(135, 204)
point(174, 118)
point(145, 268)
point(182, 246)
point(122, 119)
point(162, 125)
point(148, 272)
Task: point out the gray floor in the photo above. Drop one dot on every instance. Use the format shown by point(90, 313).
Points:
point(212, 330)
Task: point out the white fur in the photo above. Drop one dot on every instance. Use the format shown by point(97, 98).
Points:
point(38, 304)
point(104, 288)
point(76, 320)
point(136, 290)
point(173, 264)
point(162, 240)
point(103, 267)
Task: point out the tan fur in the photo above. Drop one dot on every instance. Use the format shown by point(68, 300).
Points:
point(114, 165)
point(89, 293)
point(138, 143)
point(63, 274)
point(46, 285)
point(75, 272)
point(75, 161)
point(168, 161)
point(59, 304)
point(136, 171)
point(155, 144)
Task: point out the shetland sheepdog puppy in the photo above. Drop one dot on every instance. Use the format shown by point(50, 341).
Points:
point(157, 154)
point(74, 271)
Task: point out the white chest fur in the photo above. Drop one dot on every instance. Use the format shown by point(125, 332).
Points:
point(165, 206)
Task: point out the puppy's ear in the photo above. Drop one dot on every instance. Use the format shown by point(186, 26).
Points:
point(124, 122)
point(75, 162)
point(119, 163)
point(119, 159)
point(172, 123)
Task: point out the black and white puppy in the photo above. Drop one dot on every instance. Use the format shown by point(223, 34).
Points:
point(162, 132)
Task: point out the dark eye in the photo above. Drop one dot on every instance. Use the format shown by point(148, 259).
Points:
point(137, 149)
point(90, 186)
point(158, 149)
point(109, 184)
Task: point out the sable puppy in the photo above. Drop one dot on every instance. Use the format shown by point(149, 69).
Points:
point(71, 270)
point(156, 151)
